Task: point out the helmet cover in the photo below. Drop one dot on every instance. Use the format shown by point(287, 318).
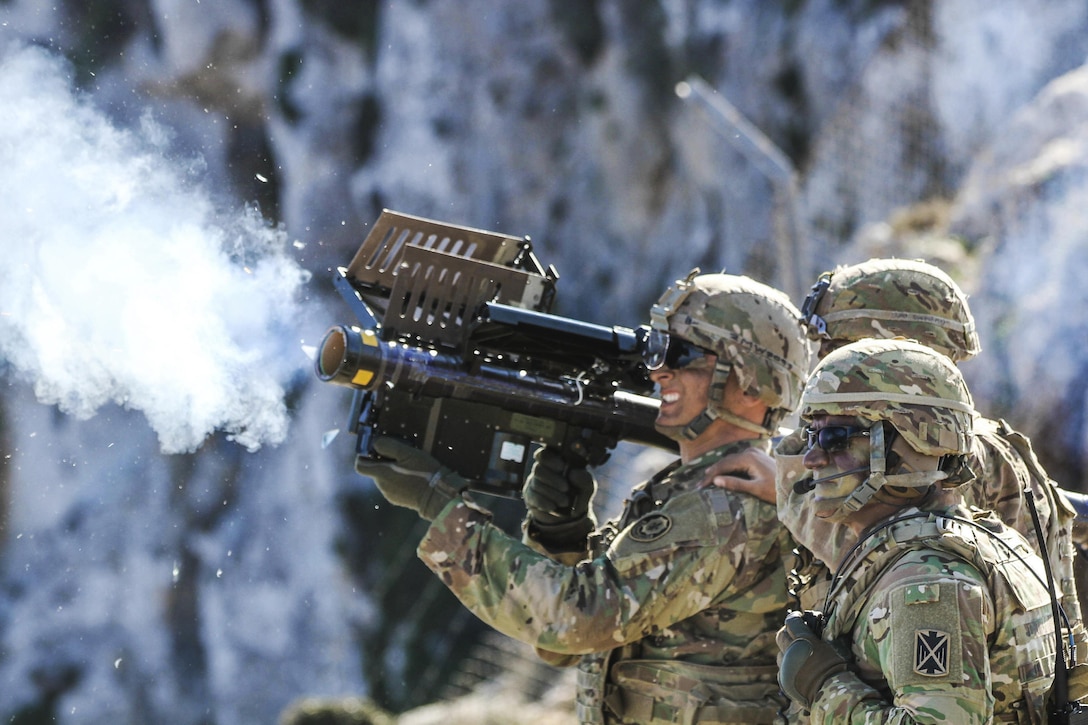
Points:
point(750, 326)
point(885, 298)
point(918, 390)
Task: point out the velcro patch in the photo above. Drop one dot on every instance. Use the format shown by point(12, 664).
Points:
point(922, 594)
point(651, 527)
point(925, 630)
point(931, 647)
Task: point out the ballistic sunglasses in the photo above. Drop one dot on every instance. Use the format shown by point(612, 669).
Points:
point(664, 350)
point(834, 438)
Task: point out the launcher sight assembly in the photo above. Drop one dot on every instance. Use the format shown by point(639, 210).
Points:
point(456, 351)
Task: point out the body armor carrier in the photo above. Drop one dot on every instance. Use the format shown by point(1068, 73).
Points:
point(624, 686)
point(592, 688)
point(1000, 557)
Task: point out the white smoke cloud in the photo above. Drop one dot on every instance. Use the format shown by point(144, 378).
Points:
point(120, 280)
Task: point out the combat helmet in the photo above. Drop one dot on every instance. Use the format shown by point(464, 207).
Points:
point(918, 403)
point(885, 298)
point(753, 330)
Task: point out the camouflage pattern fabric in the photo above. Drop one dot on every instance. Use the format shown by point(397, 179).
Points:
point(687, 586)
point(1000, 476)
point(886, 298)
point(754, 330)
point(1004, 466)
point(921, 393)
point(943, 624)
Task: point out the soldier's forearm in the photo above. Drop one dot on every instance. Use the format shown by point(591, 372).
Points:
point(845, 699)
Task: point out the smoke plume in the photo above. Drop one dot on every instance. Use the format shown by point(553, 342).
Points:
point(122, 282)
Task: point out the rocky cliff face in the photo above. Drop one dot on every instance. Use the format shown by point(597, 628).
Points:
point(170, 555)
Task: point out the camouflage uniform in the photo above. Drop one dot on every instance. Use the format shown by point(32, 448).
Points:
point(940, 617)
point(1000, 474)
point(886, 298)
point(670, 611)
point(933, 611)
point(672, 619)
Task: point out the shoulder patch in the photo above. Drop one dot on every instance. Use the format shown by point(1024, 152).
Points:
point(925, 633)
point(651, 527)
point(931, 648)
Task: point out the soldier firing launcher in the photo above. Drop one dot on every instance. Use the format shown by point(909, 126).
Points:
point(458, 353)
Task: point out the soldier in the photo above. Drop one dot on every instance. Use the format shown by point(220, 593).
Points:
point(887, 298)
point(935, 614)
point(670, 611)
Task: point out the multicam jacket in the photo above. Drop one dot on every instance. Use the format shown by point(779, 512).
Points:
point(673, 614)
point(1002, 464)
point(946, 619)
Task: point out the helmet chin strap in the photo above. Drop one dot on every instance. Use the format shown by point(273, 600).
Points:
point(694, 429)
point(877, 478)
point(715, 410)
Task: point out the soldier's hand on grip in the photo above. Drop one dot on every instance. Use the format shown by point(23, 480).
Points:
point(411, 478)
point(558, 495)
point(806, 660)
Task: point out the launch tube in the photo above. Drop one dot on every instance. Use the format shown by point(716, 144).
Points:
point(358, 358)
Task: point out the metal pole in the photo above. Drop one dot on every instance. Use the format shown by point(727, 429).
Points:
point(771, 162)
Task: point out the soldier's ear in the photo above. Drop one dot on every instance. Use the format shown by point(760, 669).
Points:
point(744, 402)
point(748, 401)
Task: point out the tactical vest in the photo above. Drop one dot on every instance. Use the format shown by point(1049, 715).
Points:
point(1058, 531)
point(991, 553)
point(622, 686)
point(592, 679)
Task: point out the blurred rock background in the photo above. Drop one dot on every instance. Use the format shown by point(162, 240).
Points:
point(180, 176)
